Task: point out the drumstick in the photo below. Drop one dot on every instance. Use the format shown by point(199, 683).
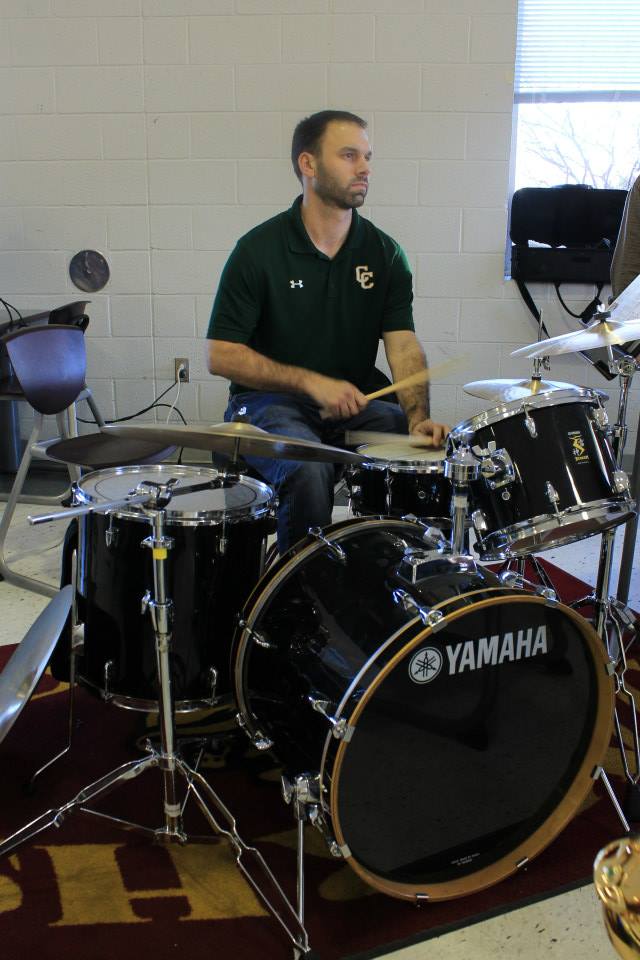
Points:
point(414, 379)
point(354, 438)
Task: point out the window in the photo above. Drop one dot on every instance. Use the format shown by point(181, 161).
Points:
point(577, 93)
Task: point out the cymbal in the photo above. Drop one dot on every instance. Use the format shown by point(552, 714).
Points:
point(99, 451)
point(495, 390)
point(600, 333)
point(232, 439)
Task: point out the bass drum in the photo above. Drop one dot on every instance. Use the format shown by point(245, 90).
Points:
point(448, 726)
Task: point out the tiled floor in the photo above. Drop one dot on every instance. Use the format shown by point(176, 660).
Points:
point(568, 926)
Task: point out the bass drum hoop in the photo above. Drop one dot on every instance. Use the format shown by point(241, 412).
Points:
point(546, 832)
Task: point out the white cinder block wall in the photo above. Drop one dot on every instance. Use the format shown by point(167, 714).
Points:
point(159, 132)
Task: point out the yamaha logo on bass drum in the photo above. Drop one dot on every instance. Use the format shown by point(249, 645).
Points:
point(426, 663)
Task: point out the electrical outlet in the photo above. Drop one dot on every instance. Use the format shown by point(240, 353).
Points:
point(181, 369)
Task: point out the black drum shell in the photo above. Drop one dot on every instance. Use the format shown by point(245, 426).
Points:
point(328, 632)
point(569, 451)
point(396, 489)
point(211, 569)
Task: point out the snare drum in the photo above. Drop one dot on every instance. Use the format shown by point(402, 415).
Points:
point(551, 476)
point(445, 727)
point(219, 539)
point(399, 479)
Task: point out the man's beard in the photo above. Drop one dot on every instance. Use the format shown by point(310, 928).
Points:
point(334, 195)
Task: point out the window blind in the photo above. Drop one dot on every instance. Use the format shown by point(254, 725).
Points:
point(577, 50)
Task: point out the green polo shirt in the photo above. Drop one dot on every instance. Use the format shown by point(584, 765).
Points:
point(284, 298)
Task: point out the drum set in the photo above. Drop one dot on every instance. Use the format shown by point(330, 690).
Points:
point(438, 720)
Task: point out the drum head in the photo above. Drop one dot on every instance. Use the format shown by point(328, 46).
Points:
point(471, 748)
point(237, 498)
point(399, 451)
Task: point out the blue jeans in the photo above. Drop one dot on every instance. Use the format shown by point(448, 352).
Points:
point(304, 488)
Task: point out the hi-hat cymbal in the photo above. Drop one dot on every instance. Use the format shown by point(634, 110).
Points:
point(233, 439)
point(601, 333)
point(496, 390)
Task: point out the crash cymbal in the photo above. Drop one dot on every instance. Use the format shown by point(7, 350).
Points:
point(496, 390)
point(234, 439)
point(600, 333)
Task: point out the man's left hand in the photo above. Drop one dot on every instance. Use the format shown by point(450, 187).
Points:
point(431, 434)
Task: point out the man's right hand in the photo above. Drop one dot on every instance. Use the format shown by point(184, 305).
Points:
point(337, 399)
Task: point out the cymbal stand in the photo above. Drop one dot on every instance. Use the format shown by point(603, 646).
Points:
point(156, 497)
point(612, 617)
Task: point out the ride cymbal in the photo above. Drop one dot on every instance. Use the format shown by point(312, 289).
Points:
point(506, 390)
point(601, 333)
point(235, 439)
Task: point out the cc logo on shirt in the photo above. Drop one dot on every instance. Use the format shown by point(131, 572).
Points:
point(364, 277)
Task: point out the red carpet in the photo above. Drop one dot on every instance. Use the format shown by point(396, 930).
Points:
point(89, 890)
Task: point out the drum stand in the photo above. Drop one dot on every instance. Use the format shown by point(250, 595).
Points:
point(166, 758)
point(612, 614)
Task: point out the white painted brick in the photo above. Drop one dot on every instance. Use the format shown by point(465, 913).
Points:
point(327, 39)
point(53, 137)
point(377, 6)
point(435, 136)
point(165, 40)
point(187, 405)
point(219, 227)
point(5, 49)
point(25, 8)
point(128, 358)
point(128, 228)
point(478, 183)
point(436, 319)
point(470, 6)
point(185, 8)
point(131, 316)
point(186, 271)
point(168, 136)
point(422, 228)
point(235, 40)
point(174, 89)
point(65, 228)
point(119, 40)
point(267, 181)
point(129, 272)
point(99, 89)
point(236, 135)
point(192, 181)
point(42, 272)
point(467, 275)
point(213, 398)
point(102, 391)
point(443, 403)
point(98, 312)
point(45, 42)
point(134, 395)
point(493, 39)
point(8, 139)
point(204, 304)
point(422, 39)
point(72, 182)
point(123, 136)
point(170, 228)
point(282, 6)
point(12, 235)
point(467, 87)
point(394, 182)
point(281, 87)
point(489, 136)
point(484, 231)
point(95, 8)
point(26, 90)
point(396, 87)
point(174, 316)
point(494, 320)
point(167, 348)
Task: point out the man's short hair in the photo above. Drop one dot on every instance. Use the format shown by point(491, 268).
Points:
point(309, 132)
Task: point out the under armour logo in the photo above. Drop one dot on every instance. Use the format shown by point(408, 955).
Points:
point(363, 276)
point(296, 283)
